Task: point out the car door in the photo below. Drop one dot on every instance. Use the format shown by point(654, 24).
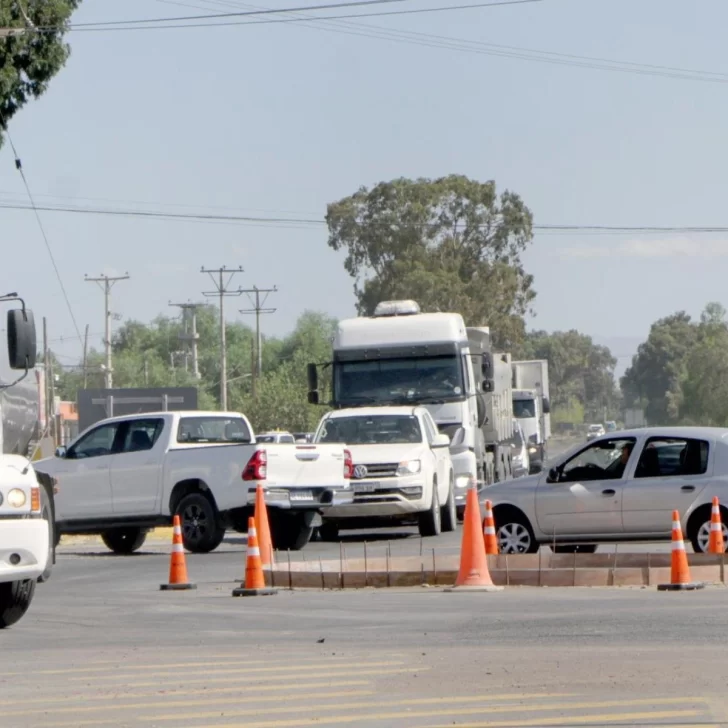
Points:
point(136, 470)
point(670, 474)
point(585, 499)
point(84, 482)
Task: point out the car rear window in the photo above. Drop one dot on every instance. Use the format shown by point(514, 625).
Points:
point(213, 429)
point(672, 456)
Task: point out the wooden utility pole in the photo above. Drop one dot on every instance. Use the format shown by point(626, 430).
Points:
point(85, 357)
point(255, 300)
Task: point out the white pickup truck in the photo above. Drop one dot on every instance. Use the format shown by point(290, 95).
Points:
point(125, 475)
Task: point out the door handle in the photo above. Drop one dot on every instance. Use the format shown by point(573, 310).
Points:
point(609, 492)
point(687, 488)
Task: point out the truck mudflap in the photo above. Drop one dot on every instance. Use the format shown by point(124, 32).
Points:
point(23, 548)
point(303, 498)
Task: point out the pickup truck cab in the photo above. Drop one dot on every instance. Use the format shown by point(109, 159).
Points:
point(126, 475)
point(402, 471)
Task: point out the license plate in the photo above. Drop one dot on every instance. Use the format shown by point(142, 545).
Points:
point(365, 487)
point(300, 495)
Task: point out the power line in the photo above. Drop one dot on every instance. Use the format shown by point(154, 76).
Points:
point(19, 167)
point(221, 292)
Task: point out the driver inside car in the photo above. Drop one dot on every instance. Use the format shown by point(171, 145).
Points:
point(616, 469)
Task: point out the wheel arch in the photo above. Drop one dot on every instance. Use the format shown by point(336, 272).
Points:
point(187, 487)
point(503, 511)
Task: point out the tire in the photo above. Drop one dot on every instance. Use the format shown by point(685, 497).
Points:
point(699, 530)
point(448, 514)
point(581, 548)
point(124, 540)
point(430, 523)
point(15, 598)
point(515, 535)
point(47, 513)
point(329, 532)
point(289, 532)
point(202, 530)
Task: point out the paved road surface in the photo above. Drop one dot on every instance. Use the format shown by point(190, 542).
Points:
point(109, 649)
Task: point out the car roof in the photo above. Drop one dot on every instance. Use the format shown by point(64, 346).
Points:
point(378, 411)
point(713, 433)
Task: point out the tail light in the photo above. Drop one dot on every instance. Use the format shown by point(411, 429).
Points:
point(348, 465)
point(256, 468)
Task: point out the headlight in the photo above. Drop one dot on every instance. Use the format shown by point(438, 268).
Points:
point(463, 481)
point(409, 467)
point(532, 449)
point(16, 498)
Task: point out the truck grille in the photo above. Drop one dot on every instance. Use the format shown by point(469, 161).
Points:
point(381, 470)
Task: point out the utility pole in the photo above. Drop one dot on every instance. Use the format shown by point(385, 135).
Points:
point(106, 283)
point(85, 357)
point(218, 278)
point(189, 336)
point(47, 374)
point(254, 294)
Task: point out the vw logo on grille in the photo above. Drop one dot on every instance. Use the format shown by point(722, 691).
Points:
point(360, 471)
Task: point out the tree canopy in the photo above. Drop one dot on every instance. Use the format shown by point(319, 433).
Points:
point(452, 244)
point(29, 61)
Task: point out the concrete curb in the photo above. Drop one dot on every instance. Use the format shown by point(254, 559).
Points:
point(544, 570)
point(156, 535)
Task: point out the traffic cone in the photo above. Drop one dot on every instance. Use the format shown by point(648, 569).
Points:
point(491, 541)
point(473, 574)
point(716, 544)
point(254, 579)
point(178, 566)
point(262, 528)
point(680, 571)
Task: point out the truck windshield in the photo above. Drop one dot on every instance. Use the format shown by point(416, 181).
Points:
point(378, 430)
point(213, 429)
point(523, 408)
point(384, 381)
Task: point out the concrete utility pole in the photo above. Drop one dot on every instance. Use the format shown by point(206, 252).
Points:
point(254, 296)
point(218, 278)
point(189, 335)
point(106, 283)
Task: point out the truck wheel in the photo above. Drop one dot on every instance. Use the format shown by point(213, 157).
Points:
point(448, 516)
point(124, 540)
point(288, 532)
point(47, 514)
point(430, 523)
point(329, 532)
point(15, 598)
point(202, 531)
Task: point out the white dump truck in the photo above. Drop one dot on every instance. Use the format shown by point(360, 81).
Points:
point(532, 407)
point(401, 356)
point(27, 541)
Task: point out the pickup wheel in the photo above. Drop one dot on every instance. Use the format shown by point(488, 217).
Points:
point(47, 514)
point(202, 531)
point(124, 540)
point(288, 531)
point(15, 598)
point(449, 515)
point(329, 532)
point(430, 523)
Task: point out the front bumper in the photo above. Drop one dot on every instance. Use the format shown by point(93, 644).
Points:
point(394, 496)
point(303, 498)
point(24, 541)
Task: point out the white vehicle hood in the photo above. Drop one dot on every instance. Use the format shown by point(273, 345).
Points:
point(370, 454)
point(48, 465)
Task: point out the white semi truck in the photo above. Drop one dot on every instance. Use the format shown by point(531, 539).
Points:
point(532, 407)
point(402, 356)
point(27, 543)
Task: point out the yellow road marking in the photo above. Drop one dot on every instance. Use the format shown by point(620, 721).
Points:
point(353, 718)
point(116, 696)
point(604, 719)
point(309, 676)
point(257, 670)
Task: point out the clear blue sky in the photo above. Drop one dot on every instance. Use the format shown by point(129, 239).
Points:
point(282, 119)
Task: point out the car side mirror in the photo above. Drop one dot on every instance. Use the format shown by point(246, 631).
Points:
point(459, 438)
point(440, 440)
point(61, 452)
point(553, 476)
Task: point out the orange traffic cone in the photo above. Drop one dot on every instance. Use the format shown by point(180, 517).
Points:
point(491, 541)
point(254, 579)
point(178, 566)
point(262, 528)
point(716, 545)
point(473, 574)
point(680, 571)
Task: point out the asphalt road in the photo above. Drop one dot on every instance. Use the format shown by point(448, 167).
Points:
point(103, 646)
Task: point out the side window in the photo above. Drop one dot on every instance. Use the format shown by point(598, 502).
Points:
point(142, 435)
point(680, 456)
point(606, 459)
point(97, 443)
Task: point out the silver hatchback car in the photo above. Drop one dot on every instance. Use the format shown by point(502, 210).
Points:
point(618, 487)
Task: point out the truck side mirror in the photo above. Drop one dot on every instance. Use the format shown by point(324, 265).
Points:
point(487, 366)
point(313, 397)
point(312, 375)
point(21, 339)
point(546, 405)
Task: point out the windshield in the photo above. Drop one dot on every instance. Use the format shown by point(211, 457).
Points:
point(523, 408)
point(377, 430)
point(425, 379)
point(213, 429)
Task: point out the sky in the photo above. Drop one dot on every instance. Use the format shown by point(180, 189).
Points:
point(278, 120)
